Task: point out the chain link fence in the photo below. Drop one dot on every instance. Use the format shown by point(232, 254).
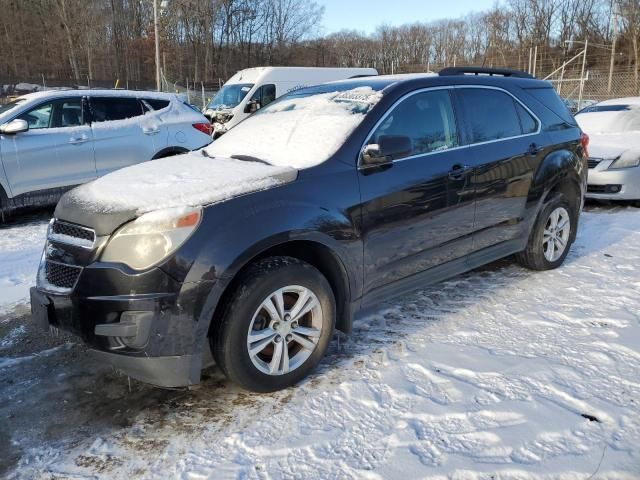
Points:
point(579, 92)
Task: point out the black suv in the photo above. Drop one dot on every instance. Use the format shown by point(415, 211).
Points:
point(324, 203)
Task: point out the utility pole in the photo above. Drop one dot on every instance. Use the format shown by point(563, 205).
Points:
point(613, 42)
point(535, 60)
point(157, 35)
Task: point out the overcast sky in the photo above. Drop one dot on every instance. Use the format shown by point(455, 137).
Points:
point(366, 15)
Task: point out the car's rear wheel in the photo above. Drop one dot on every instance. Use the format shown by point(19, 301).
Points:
point(551, 237)
point(276, 326)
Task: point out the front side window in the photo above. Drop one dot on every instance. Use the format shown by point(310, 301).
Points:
point(427, 118)
point(39, 117)
point(491, 114)
point(56, 114)
point(107, 109)
point(265, 95)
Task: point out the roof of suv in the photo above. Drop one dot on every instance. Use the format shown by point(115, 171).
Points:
point(425, 80)
point(98, 92)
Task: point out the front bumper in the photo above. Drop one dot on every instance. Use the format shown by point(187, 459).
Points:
point(152, 337)
point(601, 181)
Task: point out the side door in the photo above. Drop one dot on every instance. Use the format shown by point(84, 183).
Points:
point(120, 139)
point(417, 211)
point(505, 147)
point(56, 151)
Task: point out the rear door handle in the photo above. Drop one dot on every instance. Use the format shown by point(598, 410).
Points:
point(150, 131)
point(458, 171)
point(533, 149)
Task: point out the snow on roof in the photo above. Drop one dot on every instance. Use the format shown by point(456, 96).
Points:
point(622, 101)
point(298, 131)
point(97, 92)
point(184, 180)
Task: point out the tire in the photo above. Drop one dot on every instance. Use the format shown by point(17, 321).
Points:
point(536, 256)
point(274, 327)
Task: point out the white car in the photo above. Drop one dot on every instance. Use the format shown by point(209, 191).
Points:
point(253, 88)
point(51, 141)
point(613, 127)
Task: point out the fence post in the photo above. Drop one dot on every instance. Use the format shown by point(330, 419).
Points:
point(584, 61)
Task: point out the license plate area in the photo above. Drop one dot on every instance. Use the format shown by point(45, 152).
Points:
point(42, 310)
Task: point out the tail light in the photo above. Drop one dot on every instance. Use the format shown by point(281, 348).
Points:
point(584, 141)
point(205, 128)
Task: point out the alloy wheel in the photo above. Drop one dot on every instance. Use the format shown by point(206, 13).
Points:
point(285, 330)
point(556, 234)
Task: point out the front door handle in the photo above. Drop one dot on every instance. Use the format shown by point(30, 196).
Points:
point(458, 171)
point(78, 140)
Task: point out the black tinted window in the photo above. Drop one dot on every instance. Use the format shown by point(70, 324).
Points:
point(527, 122)
point(426, 118)
point(550, 99)
point(107, 109)
point(157, 104)
point(491, 114)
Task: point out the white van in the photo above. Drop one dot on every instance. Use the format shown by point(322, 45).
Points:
point(253, 88)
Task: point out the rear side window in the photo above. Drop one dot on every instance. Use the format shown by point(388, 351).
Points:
point(426, 118)
point(527, 122)
point(107, 109)
point(549, 98)
point(157, 104)
point(490, 114)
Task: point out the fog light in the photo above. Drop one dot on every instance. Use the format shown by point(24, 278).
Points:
point(613, 188)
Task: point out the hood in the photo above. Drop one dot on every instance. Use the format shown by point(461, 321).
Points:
point(610, 146)
point(184, 180)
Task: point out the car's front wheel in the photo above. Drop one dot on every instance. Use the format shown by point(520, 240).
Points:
point(551, 237)
point(276, 326)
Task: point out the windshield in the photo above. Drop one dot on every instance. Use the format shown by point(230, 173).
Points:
point(301, 129)
point(10, 106)
point(609, 119)
point(230, 96)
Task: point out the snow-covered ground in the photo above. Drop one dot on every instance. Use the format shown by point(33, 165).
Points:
point(502, 373)
point(20, 252)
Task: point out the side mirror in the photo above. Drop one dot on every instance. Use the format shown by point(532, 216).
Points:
point(388, 148)
point(15, 126)
point(252, 107)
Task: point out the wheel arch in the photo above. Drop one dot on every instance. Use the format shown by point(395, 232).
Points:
point(169, 151)
point(317, 254)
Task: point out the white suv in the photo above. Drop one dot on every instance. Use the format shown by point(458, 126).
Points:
point(51, 141)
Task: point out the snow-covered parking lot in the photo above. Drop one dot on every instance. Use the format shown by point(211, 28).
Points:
point(502, 373)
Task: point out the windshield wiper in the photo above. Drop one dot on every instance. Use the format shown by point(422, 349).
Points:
point(249, 158)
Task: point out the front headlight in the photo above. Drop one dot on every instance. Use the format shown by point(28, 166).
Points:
point(626, 160)
point(151, 238)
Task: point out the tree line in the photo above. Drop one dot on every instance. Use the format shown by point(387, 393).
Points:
point(81, 41)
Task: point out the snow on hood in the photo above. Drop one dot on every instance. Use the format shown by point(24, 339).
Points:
point(184, 180)
point(610, 146)
point(298, 131)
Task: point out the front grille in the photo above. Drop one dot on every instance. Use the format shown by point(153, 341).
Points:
point(69, 233)
point(61, 276)
point(593, 162)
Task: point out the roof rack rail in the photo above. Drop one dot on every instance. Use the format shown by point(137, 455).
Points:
point(504, 72)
